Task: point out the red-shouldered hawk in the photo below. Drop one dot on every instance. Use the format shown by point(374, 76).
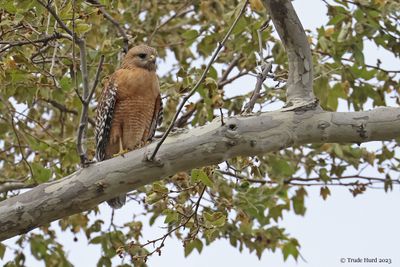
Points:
point(129, 109)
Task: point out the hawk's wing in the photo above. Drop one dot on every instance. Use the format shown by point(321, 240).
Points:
point(105, 113)
point(157, 117)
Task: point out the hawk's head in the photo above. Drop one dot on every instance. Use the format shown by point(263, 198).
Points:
point(141, 56)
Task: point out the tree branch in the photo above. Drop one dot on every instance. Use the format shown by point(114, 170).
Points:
point(261, 76)
point(180, 12)
point(44, 40)
point(9, 186)
point(63, 108)
point(81, 133)
point(300, 81)
point(203, 146)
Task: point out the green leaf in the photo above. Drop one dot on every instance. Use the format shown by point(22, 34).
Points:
point(96, 240)
point(200, 175)
point(388, 185)
point(82, 28)
point(40, 173)
point(216, 219)
point(154, 197)
point(358, 55)
point(104, 262)
point(291, 249)
point(171, 216)
point(298, 201)
point(66, 84)
point(195, 244)
point(323, 174)
point(160, 188)
point(337, 149)
point(281, 168)
point(190, 34)
point(325, 192)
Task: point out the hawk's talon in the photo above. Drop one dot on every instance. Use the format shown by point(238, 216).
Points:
point(121, 153)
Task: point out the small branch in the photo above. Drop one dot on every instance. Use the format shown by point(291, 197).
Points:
point(300, 81)
point(121, 31)
point(352, 61)
point(96, 79)
point(81, 136)
point(185, 117)
point(260, 42)
point(57, 18)
point(164, 237)
point(63, 108)
point(311, 181)
point(178, 13)
point(261, 76)
point(20, 148)
point(229, 69)
point(203, 76)
point(196, 219)
point(9, 186)
point(221, 84)
point(43, 40)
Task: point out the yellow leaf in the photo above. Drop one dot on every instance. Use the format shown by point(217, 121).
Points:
point(329, 31)
point(380, 2)
point(346, 86)
point(256, 5)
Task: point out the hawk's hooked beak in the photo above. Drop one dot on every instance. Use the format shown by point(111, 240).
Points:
point(153, 58)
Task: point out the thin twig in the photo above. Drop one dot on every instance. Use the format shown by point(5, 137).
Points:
point(260, 42)
point(121, 31)
point(307, 181)
point(178, 13)
point(85, 106)
point(63, 108)
point(96, 79)
point(196, 219)
point(57, 18)
point(164, 237)
point(43, 40)
point(351, 60)
point(20, 148)
point(181, 105)
point(261, 76)
point(230, 80)
point(229, 68)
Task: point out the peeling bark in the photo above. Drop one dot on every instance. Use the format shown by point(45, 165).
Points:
point(207, 145)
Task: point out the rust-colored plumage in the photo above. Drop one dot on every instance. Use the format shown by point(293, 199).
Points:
point(130, 107)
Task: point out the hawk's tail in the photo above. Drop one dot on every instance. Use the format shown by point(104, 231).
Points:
point(117, 202)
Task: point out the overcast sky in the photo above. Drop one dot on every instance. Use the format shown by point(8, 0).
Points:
point(341, 227)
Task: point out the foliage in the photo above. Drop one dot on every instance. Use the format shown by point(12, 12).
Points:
point(242, 200)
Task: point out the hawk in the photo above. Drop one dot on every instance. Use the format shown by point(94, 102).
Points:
point(129, 108)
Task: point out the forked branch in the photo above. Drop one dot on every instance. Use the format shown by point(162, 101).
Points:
point(300, 81)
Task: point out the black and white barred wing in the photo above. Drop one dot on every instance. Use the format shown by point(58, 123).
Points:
point(105, 114)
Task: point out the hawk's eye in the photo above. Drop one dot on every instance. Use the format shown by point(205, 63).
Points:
point(142, 55)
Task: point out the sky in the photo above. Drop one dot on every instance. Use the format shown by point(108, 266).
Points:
point(330, 233)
